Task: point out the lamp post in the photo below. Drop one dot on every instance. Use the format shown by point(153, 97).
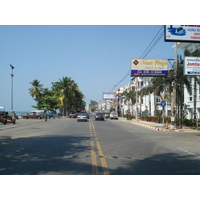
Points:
point(11, 86)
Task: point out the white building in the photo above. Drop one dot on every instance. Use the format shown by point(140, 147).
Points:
point(189, 95)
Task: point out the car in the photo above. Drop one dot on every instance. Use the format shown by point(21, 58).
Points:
point(82, 117)
point(72, 115)
point(52, 116)
point(113, 115)
point(99, 116)
point(87, 115)
point(36, 114)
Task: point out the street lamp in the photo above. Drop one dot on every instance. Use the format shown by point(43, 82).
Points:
point(11, 86)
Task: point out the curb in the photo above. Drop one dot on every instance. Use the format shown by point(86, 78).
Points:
point(152, 127)
point(156, 128)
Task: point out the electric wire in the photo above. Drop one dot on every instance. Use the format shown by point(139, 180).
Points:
point(149, 48)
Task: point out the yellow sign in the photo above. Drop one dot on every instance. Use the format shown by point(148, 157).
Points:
point(60, 101)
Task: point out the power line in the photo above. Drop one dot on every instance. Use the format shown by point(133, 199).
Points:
point(144, 55)
point(146, 52)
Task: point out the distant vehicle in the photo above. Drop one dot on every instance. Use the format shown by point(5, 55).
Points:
point(99, 116)
point(72, 115)
point(37, 114)
point(86, 114)
point(52, 116)
point(113, 115)
point(82, 117)
point(4, 117)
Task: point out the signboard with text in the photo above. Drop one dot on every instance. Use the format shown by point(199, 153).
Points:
point(182, 33)
point(149, 67)
point(192, 66)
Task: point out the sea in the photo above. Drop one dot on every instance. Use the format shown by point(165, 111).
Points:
point(18, 113)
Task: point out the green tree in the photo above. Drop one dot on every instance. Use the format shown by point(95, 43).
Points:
point(66, 88)
point(129, 96)
point(37, 88)
point(93, 105)
point(48, 101)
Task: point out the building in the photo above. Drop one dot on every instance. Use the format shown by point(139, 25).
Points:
point(189, 95)
point(145, 104)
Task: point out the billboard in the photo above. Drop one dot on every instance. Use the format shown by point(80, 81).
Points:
point(149, 67)
point(192, 66)
point(182, 33)
point(108, 95)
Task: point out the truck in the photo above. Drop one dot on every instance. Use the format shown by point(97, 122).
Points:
point(36, 114)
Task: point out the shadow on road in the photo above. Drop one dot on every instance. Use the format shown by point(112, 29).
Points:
point(161, 164)
point(44, 155)
point(70, 155)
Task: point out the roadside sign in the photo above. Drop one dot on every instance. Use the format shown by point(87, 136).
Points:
point(163, 103)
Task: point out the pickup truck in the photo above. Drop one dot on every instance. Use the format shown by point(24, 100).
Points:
point(33, 116)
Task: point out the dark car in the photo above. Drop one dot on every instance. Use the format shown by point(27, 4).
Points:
point(99, 116)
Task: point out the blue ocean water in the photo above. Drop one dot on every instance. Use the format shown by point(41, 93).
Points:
point(20, 112)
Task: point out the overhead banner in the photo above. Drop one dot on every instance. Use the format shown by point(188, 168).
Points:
point(192, 66)
point(149, 67)
point(182, 33)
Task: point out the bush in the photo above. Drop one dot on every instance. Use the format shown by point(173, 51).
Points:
point(129, 117)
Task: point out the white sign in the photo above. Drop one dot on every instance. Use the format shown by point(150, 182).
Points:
point(192, 66)
point(108, 95)
point(182, 33)
point(149, 67)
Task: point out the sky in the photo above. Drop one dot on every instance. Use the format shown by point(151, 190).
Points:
point(96, 57)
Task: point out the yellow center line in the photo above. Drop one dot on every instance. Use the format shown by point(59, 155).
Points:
point(102, 159)
point(100, 152)
point(94, 159)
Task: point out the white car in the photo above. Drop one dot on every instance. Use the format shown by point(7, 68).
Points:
point(113, 116)
point(82, 117)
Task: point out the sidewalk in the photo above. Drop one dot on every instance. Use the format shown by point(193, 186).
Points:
point(157, 126)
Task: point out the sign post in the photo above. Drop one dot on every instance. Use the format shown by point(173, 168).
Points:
point(163, 104)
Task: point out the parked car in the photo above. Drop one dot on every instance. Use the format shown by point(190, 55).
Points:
point(113, 115)
point(52, 116)
point(82, 117)
point(72, 115)
point(99, 116)
point(37, 114)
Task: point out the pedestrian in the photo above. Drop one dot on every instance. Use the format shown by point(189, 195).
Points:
point(14, 118)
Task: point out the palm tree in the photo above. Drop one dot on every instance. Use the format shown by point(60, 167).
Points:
point(129, 96)
point(37, 89)
point(65, 88)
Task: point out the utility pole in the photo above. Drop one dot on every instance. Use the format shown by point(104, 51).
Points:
point(12, 75)
point(195, 102)
point(136, 87)
point(173, 107)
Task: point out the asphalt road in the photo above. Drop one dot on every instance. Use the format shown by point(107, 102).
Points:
point(110, 147)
